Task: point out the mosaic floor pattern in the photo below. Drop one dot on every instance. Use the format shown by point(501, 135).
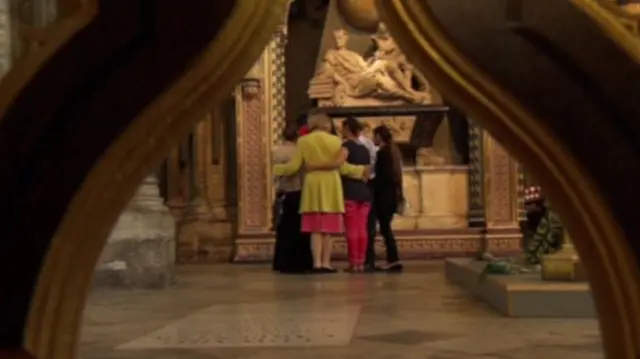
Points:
point(246, 312)
point(255, 325)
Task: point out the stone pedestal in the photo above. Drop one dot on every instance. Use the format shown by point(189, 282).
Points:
point(176, 195)
point(140, 253)
point(437, 197)
point(563, 265)
point(522, 295)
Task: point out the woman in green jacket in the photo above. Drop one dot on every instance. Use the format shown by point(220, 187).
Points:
point(322, 203)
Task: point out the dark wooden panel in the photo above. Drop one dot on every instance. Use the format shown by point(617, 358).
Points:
point(76, 106)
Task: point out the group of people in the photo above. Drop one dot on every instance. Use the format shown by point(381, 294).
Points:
point(329, 186)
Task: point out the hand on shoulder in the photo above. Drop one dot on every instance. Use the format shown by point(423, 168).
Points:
point(366, 173)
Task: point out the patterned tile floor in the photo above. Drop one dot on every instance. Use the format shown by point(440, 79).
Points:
point(246, 312)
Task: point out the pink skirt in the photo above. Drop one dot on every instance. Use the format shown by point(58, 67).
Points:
point(326, 223)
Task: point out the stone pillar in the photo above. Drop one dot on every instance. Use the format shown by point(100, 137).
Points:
point(522, 183)
point(198, 208)
point(476, 177)
point(5, 37)
point(218, 191)
point(503, 234)
point(277, 85)
point(140, 252)
point(260, 108)
point(195, 229)
point(176, 201)
point(254, 170)
point(218, 188)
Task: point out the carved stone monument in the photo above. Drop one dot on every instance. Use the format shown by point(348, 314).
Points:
point(386, 78)
point(386, 84)
point(346, 79)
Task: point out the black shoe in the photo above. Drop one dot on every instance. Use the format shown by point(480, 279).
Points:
point(373, 269)
point(396, 268)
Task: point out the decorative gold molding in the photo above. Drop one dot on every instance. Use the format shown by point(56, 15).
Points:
point(613, 271)
point(623, 26)
point(58, 300)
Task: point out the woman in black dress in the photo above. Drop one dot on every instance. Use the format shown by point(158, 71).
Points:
point(292, 253)
point(387, 192)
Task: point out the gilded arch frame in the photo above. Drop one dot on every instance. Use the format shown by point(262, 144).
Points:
point(129, 159)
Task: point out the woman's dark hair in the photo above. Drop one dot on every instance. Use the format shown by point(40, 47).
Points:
point(301, 120)
point(386, 136)
point(290, 133)
point(334, 130)
point(353, 125)
point(384, 133)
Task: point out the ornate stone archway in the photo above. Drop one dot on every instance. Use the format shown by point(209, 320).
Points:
point(71, 171)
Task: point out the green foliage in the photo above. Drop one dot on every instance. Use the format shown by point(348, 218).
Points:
point(547, 238)
point(499, 267)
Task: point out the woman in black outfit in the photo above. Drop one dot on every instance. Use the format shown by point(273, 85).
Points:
point(292, 248)
point(387, 191)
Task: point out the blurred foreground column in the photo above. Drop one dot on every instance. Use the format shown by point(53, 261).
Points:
point(140, 252)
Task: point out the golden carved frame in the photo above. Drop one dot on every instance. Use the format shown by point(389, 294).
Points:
point(58, 301)
point(613, 271)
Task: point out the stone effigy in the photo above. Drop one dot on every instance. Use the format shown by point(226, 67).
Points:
point(385, 79)
point(345, 78)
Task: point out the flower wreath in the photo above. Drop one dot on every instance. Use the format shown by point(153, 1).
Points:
point(533, 194)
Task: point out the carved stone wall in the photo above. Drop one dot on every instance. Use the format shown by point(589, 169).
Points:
point(522, 215)
point(253, 143)
point(501, 184)
point(261, 118)
point(476, 175)
point(277, 89)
